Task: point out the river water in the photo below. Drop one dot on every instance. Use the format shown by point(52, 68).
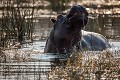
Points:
point(39, 65)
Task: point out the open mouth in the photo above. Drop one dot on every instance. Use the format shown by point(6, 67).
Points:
point(78, 17)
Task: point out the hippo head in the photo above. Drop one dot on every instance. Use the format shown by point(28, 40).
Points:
point(78, 15)
point(66, 32)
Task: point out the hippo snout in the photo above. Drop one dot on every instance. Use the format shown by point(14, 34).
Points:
point(78, 19)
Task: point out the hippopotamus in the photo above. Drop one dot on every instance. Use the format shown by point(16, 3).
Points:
point(67, 34)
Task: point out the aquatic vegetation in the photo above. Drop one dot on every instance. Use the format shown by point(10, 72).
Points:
point(88, 66)
point(16, 23)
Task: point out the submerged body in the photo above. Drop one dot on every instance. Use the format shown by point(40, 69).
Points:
point(93, 41)
point(67, 35)
point(89, 41)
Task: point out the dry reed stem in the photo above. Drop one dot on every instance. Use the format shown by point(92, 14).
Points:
point(98, 66)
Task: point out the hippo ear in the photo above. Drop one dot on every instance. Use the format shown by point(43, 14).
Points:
point(59, 16)
point(53, 20)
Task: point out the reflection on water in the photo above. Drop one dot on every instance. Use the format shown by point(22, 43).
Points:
point(105, 24)
point(40, 64)
point(36, 68)
point(24, 71)
point(48, 57)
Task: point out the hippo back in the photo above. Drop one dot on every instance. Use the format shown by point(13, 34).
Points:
point(93, 41)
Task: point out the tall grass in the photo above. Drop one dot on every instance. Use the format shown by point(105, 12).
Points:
point(88, 66)
point(16, 24)
point(82, 66)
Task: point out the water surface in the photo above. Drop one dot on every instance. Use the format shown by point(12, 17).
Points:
point(40, 64)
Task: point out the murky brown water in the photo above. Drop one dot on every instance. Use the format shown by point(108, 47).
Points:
point(107, 25)
point(38, 68)
point(24, 70)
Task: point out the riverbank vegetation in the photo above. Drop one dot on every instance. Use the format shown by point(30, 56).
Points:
point(18, 18)
point(16, 23)
point(88, 66)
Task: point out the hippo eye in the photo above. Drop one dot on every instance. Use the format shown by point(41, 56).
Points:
point(83, 13)
point(80, 13)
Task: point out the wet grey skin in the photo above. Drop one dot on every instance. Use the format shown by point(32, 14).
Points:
point(67, 36)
